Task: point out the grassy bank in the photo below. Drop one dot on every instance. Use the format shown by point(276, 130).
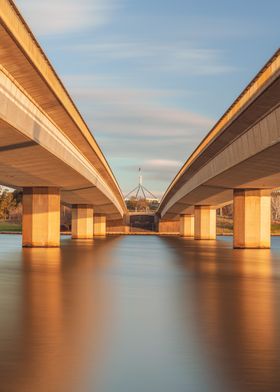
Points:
point(225, 226)
point(275, 228)
point(10, 227)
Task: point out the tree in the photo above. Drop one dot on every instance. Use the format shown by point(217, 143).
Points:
point(131, 204)
point(141, 204)
point(275, 206)
point(7, 204)
point(17, 196)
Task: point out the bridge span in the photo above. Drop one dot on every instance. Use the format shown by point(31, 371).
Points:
point(46, 148)
point(239, 161)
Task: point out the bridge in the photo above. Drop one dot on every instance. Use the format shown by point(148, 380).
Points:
point(238, 161)
point(46, 148)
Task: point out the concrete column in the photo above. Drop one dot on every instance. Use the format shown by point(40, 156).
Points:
point(186, 225)
point(251, 218)
point(126, 223)
point(99, 225)
point(169, 226)
point(41, 217)
point(82, 221)
point(204, 223)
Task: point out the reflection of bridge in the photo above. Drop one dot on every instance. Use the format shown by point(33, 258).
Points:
point(238, 160)
point(47, 150)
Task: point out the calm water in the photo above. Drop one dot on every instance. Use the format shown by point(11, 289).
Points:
point(139, 314)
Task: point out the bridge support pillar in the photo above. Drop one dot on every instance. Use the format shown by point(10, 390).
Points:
point(251, 218)
point(99, 225)
point(204, 223)
point(126, 224)
point(186, 225)
point(41, 217)
point(169, 226)
point(82, 221)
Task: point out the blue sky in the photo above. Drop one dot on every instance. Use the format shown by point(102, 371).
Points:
point(152, 77)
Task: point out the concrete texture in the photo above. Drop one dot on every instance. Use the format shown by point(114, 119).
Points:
point(41, 217)
point(99, 225)
point(204, 223)
point(82, 221)
point(252, 218)
point(186, 225)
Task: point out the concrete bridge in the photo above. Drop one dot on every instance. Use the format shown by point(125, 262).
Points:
point(239, 161)
point(47, 150)
point(45, 146)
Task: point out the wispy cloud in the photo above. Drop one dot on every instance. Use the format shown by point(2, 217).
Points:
point(139, 127)
point(180, 57)
point(134, 112)
point(163, 163)
point(53, 17)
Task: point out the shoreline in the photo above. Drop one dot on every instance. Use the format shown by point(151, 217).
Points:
point(137, 233)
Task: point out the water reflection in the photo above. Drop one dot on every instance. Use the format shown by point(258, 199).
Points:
point(139, 314)
point(57, 313)
point(236, 293)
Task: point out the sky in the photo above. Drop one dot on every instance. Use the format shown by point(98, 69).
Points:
point(151, 78)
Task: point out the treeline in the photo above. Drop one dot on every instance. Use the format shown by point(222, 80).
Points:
point(142, 204)
point(275, 206)
point(11, 205)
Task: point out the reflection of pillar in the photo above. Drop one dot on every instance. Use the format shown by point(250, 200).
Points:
point(186, 225)
point(251, 218)
point(82, 221)
point(99, 225)
point(41, 217)
point(204, 223)
point(63, 306)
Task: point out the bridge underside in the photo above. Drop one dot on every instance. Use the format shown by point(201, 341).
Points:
point(34, 152)
point(24, 163)
point(238, 161)
point(258, 172)
point(250, 161)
